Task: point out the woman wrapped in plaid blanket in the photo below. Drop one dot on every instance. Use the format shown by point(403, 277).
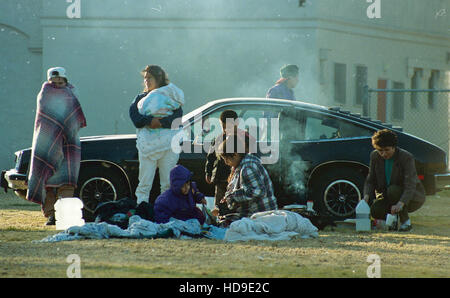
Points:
point(249, 189)
point(56, 149)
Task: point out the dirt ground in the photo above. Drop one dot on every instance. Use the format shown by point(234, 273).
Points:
point(338, 252)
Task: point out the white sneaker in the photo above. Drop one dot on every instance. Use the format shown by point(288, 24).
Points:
point(406, 226)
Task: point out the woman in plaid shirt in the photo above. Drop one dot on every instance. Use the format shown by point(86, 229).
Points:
point(250, 189)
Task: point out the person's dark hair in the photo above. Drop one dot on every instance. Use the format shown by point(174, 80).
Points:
point(158, 73)
point(231, 145)
point(227, 114)
point(384, 138)
point(289, 71)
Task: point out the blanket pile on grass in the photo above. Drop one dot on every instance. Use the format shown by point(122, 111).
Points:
point(271, 225)
point(268, 225)
point(138, 228)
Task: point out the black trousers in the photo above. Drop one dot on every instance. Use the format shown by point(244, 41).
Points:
point(381, 207)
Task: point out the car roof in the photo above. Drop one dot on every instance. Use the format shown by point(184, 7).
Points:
point(294, 103)
point(253, 100)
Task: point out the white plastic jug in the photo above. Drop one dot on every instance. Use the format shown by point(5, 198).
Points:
point(391, 220)
point(362, 216)
point(210, 202)
point(68, 213)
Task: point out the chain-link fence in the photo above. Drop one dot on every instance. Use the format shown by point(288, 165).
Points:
point(424, 113)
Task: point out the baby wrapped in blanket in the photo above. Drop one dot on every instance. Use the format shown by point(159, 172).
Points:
point(160, 102)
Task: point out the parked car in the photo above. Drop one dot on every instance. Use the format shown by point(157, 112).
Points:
point(319, 154)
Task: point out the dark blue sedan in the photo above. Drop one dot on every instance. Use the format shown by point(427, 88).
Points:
point(311, 152)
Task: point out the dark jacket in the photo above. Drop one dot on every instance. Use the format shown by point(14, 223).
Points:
point(172, 203)
point(215, 167)
point(403, 174)
point(140, 120)
point(281, 91)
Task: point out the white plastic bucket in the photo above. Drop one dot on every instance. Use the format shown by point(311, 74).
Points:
point(68, 213)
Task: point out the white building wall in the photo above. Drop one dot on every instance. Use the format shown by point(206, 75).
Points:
point(407, 36)
point(20, 77)
point(210, 48)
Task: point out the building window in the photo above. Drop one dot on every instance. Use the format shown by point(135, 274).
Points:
point(301, 3)
point(340, 82)
point(361, 82)
point(433, 84)
point(398, 102)
point(415, 84)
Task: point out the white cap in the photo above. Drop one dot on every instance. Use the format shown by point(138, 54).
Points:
point(56, 72)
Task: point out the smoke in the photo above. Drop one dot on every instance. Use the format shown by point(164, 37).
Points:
point(295, 179)
point(291, 170)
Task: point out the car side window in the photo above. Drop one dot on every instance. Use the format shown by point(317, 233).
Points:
point(256, 119)
point(292, 127)
point(209, 128)
point(261, 122)
point(303, 125)
point(319, 127)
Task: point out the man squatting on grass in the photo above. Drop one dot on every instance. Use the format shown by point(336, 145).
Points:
point(392, 183)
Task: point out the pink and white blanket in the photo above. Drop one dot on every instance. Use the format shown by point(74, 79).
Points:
point(56, 149)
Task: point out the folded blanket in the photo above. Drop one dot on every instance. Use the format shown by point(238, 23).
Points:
point(271, 225)
point(56, 149)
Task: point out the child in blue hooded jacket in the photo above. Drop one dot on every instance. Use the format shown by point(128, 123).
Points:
point(180, 200)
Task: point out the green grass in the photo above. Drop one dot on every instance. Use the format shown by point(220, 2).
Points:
point(424, 252)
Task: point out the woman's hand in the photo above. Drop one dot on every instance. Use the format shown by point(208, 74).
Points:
point(215, 212)
point(155, 123)
point(397, 207)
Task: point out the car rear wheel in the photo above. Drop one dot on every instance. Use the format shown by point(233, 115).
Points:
point(339, 191)
point(96, 186)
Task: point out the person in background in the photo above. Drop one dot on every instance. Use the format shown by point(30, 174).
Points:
point(283, 89)
point(153, 112)
point(288, 81)
point(392, 183)
point(180, 200)
point(56, 147)
point(216, 171)
point(250, 188)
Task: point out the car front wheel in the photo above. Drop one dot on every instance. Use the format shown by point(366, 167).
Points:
point(96, 186)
